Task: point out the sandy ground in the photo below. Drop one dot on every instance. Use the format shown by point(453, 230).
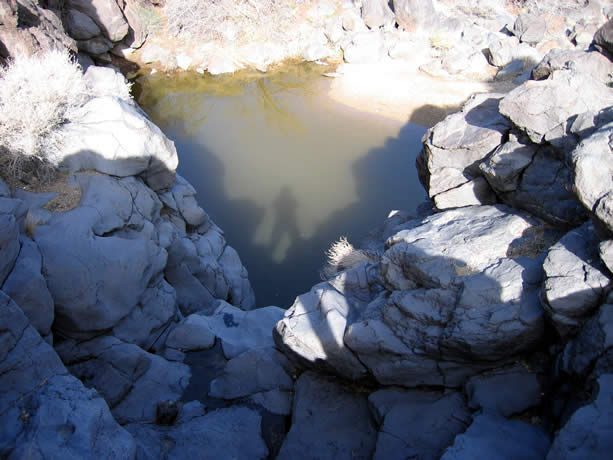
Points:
point(399, 90)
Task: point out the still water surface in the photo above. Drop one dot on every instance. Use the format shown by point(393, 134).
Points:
point(282, 169)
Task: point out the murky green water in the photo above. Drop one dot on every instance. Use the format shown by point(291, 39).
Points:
point(282, 169)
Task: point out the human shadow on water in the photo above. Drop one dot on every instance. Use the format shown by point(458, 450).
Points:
point(288, 263)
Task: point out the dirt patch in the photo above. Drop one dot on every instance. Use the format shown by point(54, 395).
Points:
point(35, 177)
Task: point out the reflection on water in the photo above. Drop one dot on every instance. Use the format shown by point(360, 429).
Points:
point(283, 170)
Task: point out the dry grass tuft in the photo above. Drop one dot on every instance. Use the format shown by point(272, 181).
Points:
point(39, 94)
point(343, 255)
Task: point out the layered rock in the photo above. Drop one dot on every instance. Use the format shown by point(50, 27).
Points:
point(461, 297)
point(47, 412)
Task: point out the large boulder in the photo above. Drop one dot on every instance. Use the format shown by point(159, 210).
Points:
point(201, 266)
point(328, 421)
point(445, 415)
point(100, 258)
point(507, 391)
point(27, 28)
point(225, 433)
point(377, 13)
point(534, 178)
point(106, 14)
point(454, 294)
point(454, 147)
point(592, 63)
point(590, 354)
point(79, 25)
point(587, 433)
point(492, 436)
point(9, 236)
point(593, 176)
point(575, 280)
point(255, 371)
point(139, 14)
point(537, 107)
point(132, 381)
point(46, 412)
point(27, 287)
point(603, 39)
point(414, 15)
point(114, 137)
point(239, 331)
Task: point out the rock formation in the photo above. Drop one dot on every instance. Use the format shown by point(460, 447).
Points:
point(483, 329)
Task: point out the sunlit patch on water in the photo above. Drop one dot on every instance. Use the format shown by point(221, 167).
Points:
point(282, 169)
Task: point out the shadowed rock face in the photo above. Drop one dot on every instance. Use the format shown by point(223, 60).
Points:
point(46, 411)
point(455, 293)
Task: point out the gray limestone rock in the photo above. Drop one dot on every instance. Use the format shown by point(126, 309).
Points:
point(414, 15)
point(239, 331)
point(312, 331)
point(465, 300)
point(503, 168)
point(567, 135)
point(101, 257)
point(9, 238)
point(131, 380)
point(603, 38)
point(443, 416)
point(225, 433)
point(590, 354)
point(593, 178)
point(377, 13)
point(530, 28)
point(591, 62)
point(30, 28)
point(114, 137)
point(506, 391)
point(139, 14)
point(254, 371)
point(328, 421)
point(95, 46)
point(542, 188)
point(27, 287)
point(276, 401)
point(79, 25)
point(148, 320)
point(363, 48)
point(202, 268)
point(106, 14)
point(474, 192)
point(492, 436)
point(575, 280)
point(587, 433)
point(46, 412)
point(537, 107)
point(190, 335)
point(454, 147)
point(106, 81)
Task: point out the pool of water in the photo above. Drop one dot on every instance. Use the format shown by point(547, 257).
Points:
point(282, 169)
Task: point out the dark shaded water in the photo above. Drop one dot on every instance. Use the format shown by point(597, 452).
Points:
point(282, 169)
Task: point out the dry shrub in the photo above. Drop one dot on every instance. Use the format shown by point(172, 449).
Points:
point(250, 20)
point(342, 255)
point(39, 94)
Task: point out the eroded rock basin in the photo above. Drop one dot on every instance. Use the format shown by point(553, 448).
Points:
point(283, 169)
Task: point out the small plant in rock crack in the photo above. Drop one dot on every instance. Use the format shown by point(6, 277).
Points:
point(343, 255)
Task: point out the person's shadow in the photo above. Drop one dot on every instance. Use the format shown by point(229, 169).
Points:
point(285, 231)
